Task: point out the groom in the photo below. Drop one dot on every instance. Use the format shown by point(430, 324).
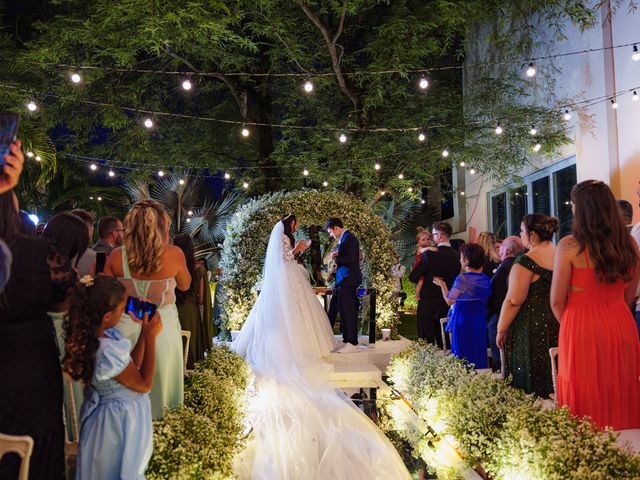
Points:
point(348, 279)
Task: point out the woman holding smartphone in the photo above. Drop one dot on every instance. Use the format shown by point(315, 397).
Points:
point(149, 267)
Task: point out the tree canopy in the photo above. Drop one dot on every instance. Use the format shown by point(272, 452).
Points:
point(247, 62)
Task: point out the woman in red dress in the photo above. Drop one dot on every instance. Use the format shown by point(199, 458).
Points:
point(595, 276)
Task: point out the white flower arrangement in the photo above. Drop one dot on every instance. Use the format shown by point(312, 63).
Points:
point(248, 233)
point(511, 434)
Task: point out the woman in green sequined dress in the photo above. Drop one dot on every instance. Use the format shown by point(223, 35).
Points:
point(527, 327)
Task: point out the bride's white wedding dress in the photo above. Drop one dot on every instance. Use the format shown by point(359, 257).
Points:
point(303, 429)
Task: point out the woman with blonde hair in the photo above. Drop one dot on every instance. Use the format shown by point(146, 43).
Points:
point(150, 268)
point(487, 241)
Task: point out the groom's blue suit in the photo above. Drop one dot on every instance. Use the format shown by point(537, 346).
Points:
point(348, 279)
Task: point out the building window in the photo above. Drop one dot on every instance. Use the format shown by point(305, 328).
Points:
point(546, 191)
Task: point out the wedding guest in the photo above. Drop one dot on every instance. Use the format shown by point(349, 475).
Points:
point(86, 263)
point(468, 295)
point(423, 239)
point(487, 241)
point(444, 263)
point(149, 267)
point(27, 228)
point(30, 373)
point(194, 305)
point(115, 426)
point(510, 248)
point(635, 233)
point(69, 234)
point(111, 235)
point(456, 243)
point(527, 327)
point(12, 168)
point(397, 272)
point(596, 273)
point(626, 210)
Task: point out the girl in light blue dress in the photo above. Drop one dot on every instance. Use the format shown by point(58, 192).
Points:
point(115, 419)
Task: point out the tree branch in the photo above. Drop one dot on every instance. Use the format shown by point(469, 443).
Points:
point(341, 25)
point(335, 57)
point(283, 41)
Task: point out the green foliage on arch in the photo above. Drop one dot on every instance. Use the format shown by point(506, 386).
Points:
point(248, 234)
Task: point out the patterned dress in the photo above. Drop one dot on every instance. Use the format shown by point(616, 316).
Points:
point(532, 333)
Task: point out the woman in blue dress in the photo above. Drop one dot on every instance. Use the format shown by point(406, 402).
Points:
point(115, 419)
point(468, 315)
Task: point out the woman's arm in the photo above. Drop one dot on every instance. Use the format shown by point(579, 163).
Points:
point(444, 289)
point(519, 281)
point(183, 277)
point(631, 292)
point(562, 267)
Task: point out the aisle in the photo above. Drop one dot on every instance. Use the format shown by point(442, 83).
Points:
point(304, 429)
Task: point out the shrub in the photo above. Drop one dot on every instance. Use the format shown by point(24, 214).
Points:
point(201, 439)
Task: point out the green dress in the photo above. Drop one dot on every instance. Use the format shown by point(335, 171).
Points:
point(532, 333)
point(196, 316)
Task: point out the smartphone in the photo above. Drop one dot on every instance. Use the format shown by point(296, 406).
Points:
point(101, 260)
point(8, 132)
point(138, 307)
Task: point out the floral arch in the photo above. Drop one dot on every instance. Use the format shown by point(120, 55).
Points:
point(248, 233)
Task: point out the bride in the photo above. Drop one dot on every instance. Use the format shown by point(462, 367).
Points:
point(302, 427)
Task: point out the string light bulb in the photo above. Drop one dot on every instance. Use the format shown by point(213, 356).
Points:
point(377, 166)
point(423, 201)
point(148, 122)
point(99, 199)
point(188, 220)
point(498, 129)
point(181, 181)
point(614, 104)
point(423, 83)
point(401, 176)
point(410, 189)
point(93, 167)
point(305, 172)
point(31, 106)
point(343, 138)
point(325, 184)
point(160, 173)
point(472, 171)
point(227, 176)
point(112, 173)
point(567, 115)
point(245, 185)
point(635, 97)
point(30, 154)
point(636, 54)
point(531, 70)
point(462, 164)
point(537, 147)
point(245, 132)
point(38, 158)
point(462, 193)
point(445, 153)
point(186, 85)
point(382, 193)
point(421, 137)
point(90, 198)
point(533, 130)
point(76, 78)
point(308, 86)
point(190, 213)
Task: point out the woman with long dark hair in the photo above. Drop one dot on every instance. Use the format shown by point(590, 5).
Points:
point(194, 305)
point(596, 273)
point(526, 327)
point(30, 373)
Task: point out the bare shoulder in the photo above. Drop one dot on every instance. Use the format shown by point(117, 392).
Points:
point(174, 253)
point(568, 245)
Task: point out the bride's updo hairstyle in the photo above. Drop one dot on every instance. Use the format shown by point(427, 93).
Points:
point(145, 236)
point(543, 225)
point(287, 220)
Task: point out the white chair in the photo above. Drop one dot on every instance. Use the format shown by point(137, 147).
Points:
point(503, 364)
point(553, 353)
point(23, 446)
point(445, 334)
point(70, 441)
point(186, 334)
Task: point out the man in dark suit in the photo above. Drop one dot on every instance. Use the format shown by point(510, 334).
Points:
point(510, 248)
point(348, 279)
point(444, 263)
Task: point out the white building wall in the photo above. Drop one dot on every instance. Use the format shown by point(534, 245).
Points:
point(607, 144)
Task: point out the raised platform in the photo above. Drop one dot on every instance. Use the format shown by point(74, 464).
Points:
point(364, 369)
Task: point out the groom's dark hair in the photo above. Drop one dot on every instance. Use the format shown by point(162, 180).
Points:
point(333, 222)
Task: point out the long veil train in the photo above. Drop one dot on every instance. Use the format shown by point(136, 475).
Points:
point(303, 428)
